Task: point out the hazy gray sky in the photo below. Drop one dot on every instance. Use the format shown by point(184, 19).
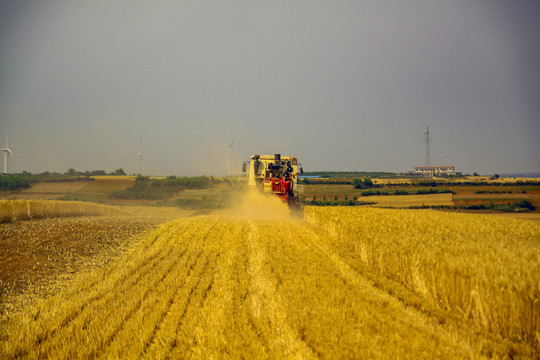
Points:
point(343, 85)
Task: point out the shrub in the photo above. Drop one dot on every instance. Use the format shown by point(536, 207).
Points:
point(364, 183)
point(526, 204)
point(13, 182)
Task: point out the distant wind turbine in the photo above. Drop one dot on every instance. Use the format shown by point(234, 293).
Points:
point(230, 145)
point(140, 156)
point(7, 152)
point(230, 157)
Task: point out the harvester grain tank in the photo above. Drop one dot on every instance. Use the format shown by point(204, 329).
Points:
point(275, 174)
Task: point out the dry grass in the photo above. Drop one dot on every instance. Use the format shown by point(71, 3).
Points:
point(104, 187)
point(121, 178)
point(13, 210)
point(487, 268)
point(46, 190)
point(55, 187)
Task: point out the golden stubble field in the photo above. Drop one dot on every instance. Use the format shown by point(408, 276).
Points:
point(254, 282)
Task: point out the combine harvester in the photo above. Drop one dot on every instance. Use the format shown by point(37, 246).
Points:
point(275, 174)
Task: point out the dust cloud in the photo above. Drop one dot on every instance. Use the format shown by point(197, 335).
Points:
point(254, 205)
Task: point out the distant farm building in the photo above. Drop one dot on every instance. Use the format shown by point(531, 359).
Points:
point(435, 170)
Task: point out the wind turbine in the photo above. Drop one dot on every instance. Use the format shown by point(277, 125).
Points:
point(7, 151)
point(230, 145)
point(140, 157)
point(230, 158)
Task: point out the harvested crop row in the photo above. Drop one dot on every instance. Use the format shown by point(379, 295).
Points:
point(486, 268)
point(220, 287)
point(13, 210)
point(318, 306)
point(93, 312)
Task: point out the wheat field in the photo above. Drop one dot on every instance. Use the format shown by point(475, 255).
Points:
point(485, 267)
point(348, 283)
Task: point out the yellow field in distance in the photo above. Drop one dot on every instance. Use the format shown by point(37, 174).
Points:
point(391, 181)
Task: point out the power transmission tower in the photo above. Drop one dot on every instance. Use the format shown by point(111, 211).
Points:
point(427, 140)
